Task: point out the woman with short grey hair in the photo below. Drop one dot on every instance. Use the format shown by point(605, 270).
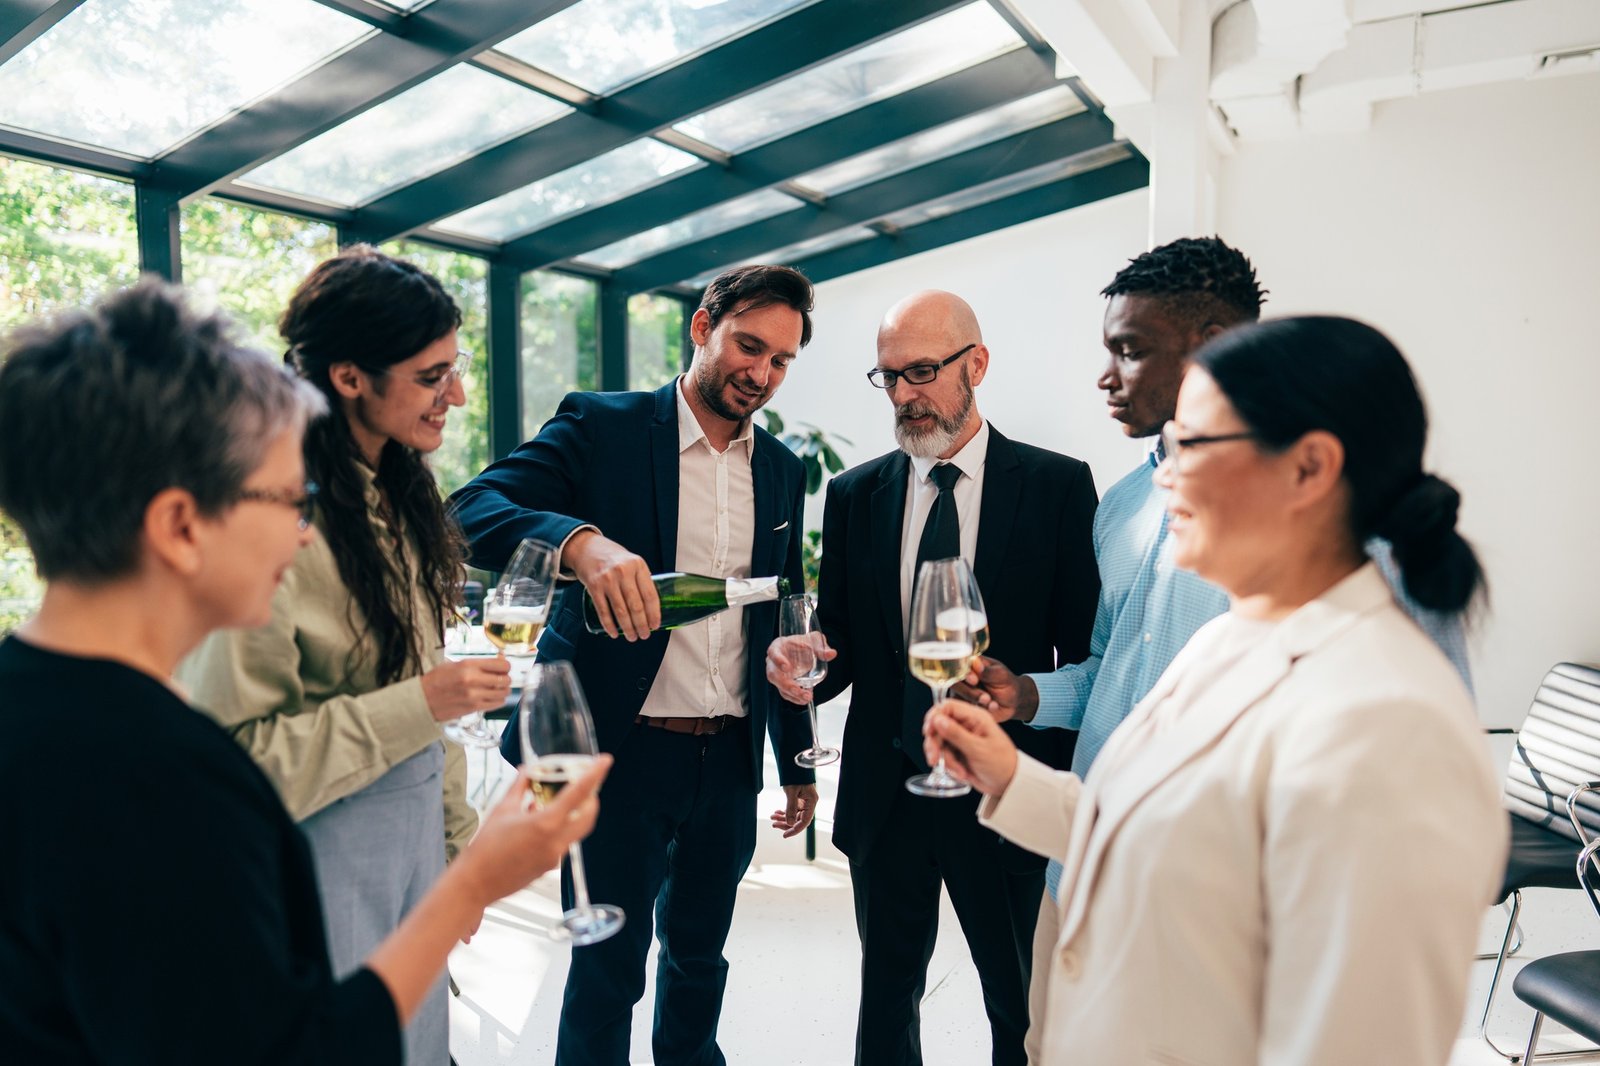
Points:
point(156, 471)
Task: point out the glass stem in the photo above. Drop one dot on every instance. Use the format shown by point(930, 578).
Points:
point(816, 737)
point(580, 884)
point(939, 772)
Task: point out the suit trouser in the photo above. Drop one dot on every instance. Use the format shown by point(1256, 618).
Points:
point(377, 852)
point(926, 841)
point(1044, 946)
point(676, 831)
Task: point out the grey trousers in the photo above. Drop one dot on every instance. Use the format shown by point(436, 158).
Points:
point(377, 852)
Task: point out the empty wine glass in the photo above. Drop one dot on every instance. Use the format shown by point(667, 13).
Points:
point(803, 643)
point(940, 649)
point(558, 746)
point(514, 615)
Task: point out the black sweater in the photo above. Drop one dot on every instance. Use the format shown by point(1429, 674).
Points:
point(157, 904)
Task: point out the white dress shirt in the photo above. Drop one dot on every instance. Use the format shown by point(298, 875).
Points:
point(919, 501)
point(703, 672)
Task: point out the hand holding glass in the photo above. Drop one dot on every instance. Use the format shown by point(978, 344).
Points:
point(940, 648)
point(558, 745)
point(514, 615)
point(803, 643)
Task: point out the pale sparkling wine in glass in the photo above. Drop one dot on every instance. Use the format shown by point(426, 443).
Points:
point(515, 628)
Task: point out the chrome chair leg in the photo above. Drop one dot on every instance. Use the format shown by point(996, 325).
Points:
point(1516, 945)
point(1533, 1036)
point(1499, 967)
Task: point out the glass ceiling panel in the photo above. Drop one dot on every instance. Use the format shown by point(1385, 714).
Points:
point(420, 132)
point(618, 173)
point(753, 207)
point(1009, 185)
point(924, 53)
point(139, 76)
point(793, 253)
point(964, 134)
point(600, 45)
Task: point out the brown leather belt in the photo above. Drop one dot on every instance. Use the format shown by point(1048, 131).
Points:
point(694, 727)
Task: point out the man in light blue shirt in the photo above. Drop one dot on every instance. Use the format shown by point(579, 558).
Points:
point(1163, 305)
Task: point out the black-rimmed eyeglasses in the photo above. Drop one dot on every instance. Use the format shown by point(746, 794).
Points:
point(1173, 445)
point(915, 374)
point(303, 502)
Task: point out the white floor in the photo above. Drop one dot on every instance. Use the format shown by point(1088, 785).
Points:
point(793, 984)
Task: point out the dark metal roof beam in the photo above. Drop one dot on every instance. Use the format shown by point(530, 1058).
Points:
point(1023, 151)
point(369, 73)
point(1063, 195)
point(62, 153)
point(24, 21)
point(811, 35)
point(997, 81)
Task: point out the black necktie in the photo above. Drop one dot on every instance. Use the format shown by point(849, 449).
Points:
point(941, 539)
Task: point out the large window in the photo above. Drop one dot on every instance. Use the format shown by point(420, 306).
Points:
point(65, 239)
point(559, 354)
point(248, 262)
point(655, 340)
point(465, 451)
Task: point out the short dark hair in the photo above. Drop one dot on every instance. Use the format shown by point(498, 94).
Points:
point(1289, 376)
point(746, 287)
point(1200, 279)
point(101, 410)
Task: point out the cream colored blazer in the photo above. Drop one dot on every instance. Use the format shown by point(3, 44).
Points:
point(1298, 873)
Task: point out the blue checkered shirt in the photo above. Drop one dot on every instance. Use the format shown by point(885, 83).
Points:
point(1148, 611)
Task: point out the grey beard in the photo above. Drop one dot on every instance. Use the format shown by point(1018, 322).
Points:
point(934, 442)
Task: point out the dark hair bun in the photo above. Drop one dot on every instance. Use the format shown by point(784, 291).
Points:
point(1439, 568)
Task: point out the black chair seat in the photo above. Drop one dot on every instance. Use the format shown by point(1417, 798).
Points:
point(1539, 858)
point(1564, 987)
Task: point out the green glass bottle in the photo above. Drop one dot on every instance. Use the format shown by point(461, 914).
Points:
point(687, 598)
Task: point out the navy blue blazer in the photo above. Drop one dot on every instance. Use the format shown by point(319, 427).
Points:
point(611, 460)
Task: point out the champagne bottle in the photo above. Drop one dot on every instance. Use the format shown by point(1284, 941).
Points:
point(687, 598)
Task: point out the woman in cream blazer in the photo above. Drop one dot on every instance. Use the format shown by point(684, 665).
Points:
point(1283, 855)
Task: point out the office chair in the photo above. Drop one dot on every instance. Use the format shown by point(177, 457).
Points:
point(1557, 751)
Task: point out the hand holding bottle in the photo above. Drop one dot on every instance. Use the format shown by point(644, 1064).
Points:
point(618, 582)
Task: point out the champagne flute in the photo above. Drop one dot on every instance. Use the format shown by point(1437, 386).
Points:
point(558, 745)
point(940, 650)
point(797, 621)
point(514, 615)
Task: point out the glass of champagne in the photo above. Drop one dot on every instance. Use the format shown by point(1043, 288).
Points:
point(977, 615)
point(514, 614)
point(940, 649)
point(558, 745)
point(803, 643)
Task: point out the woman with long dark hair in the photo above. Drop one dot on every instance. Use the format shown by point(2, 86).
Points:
point(339, 698)
point(164, 910)
point(1283, 854)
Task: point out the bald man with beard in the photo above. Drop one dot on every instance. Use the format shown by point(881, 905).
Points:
point(1023, 518)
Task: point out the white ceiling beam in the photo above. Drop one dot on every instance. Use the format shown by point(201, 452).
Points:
point(1112, 44)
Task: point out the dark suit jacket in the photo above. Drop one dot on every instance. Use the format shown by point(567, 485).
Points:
point(1036, 569)
point(611, 460)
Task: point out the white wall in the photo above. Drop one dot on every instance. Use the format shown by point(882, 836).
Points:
point(1466, 224)
point(1035, 290)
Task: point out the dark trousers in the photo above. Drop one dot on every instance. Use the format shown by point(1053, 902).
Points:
point(897, 916)
point(676, 832)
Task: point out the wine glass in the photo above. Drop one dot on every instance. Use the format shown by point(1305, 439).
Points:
point(558, 745)
point(514, 615)
point(940, 649)
point(977, 614)
point(803, 643)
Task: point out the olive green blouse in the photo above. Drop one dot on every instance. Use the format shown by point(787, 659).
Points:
point(310, 712)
